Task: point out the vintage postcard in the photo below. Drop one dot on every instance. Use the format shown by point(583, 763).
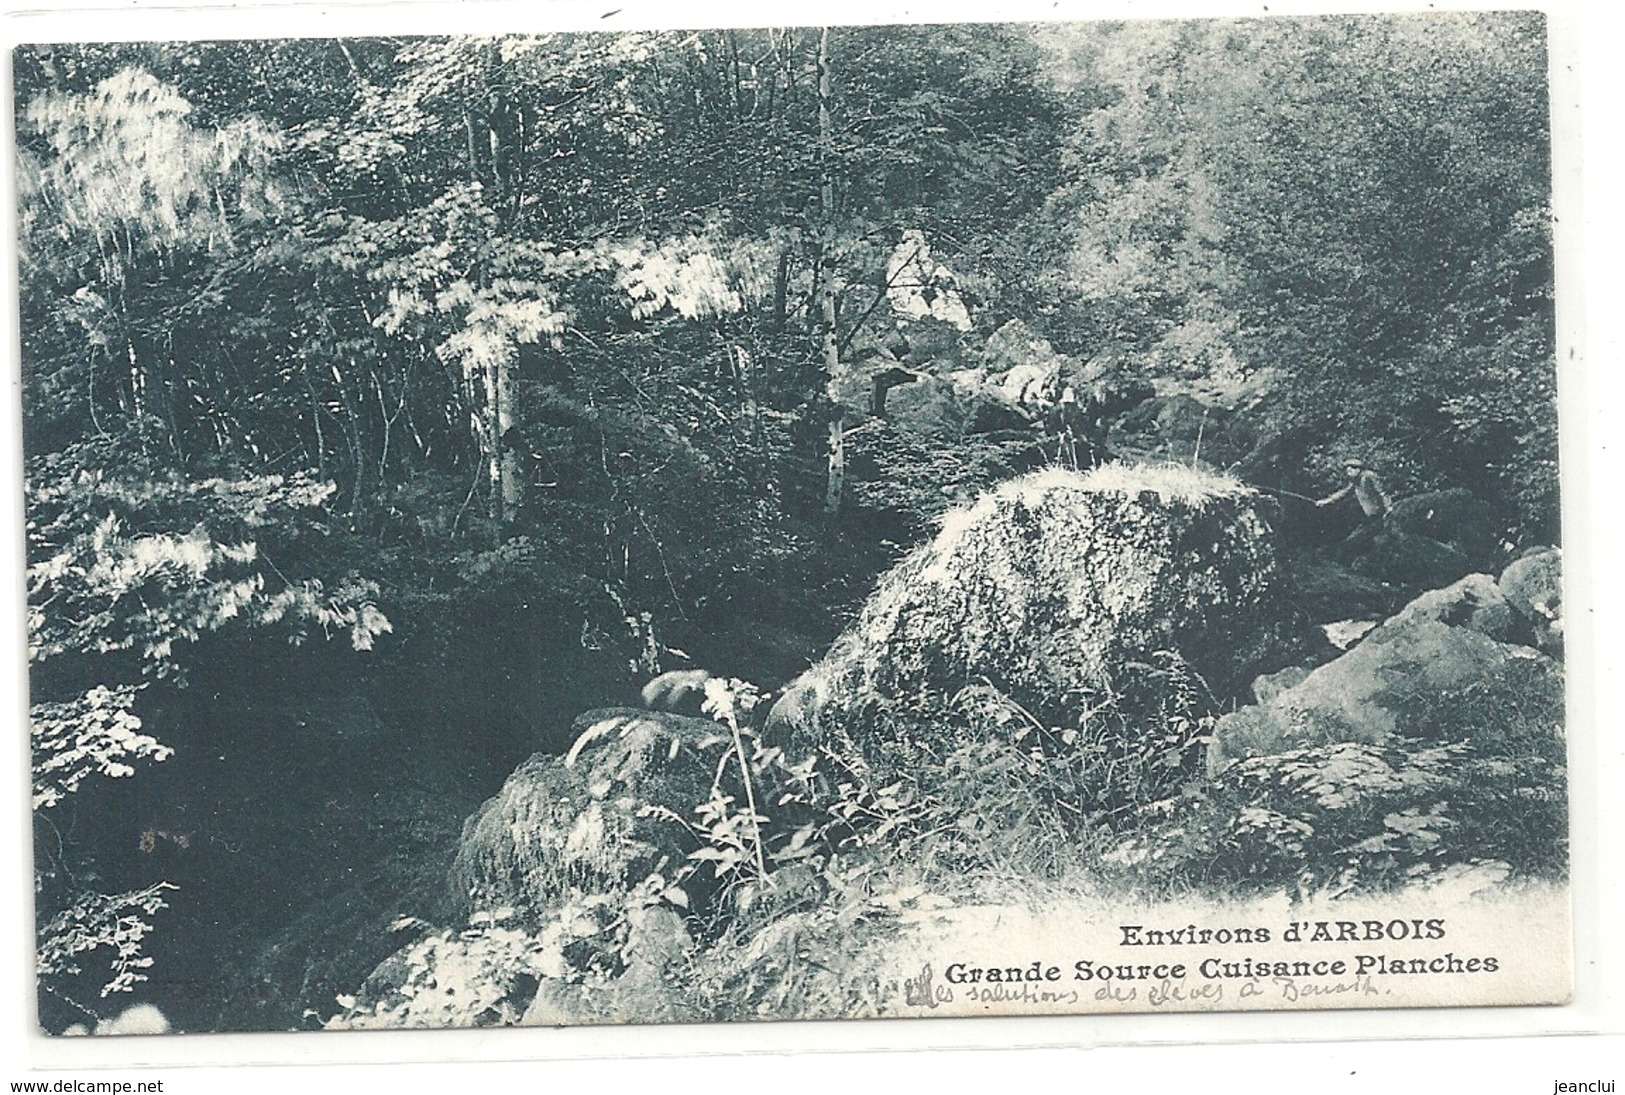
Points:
point(762, 524)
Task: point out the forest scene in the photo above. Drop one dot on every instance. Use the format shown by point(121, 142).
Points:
point(624, 527)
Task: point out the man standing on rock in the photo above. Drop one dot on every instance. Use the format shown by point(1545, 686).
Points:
point(1367, 489)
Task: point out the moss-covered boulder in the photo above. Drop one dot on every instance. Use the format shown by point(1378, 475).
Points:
point(562, 909)
point(1055, 590)
point(578, 824)
point(1416, 562)
point(1452, 516)
point(1325, 591)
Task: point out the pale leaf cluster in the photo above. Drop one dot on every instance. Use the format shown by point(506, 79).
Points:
point(97, 733)
point(93, 922)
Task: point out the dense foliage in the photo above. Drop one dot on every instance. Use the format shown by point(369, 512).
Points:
point(1254, 197)
point(531, 366)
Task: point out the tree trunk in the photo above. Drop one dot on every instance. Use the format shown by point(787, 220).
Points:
point(509, 466)
point(781, 286)
point(836, 482)
point(491, 443)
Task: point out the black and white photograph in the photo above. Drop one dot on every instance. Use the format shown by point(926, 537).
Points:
point(841, 522)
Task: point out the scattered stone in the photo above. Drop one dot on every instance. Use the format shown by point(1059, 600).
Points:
point(1345, 633)
point(657, 942)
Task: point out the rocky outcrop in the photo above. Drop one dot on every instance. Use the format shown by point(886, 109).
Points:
point(1420, 674)
point(1053, 590)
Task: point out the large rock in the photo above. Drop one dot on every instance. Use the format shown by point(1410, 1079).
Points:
point(1533, 586)
point(919, 401)
point(1401, 558)
point(1475, 602)
point(1181, 428)
point(1452, 516)
point(553, 879)
point(1269, 685)
point(1014, 345)
point(1178, 416)
point(1422, 674)
point(1324, 591)
point(576, 824)
point(1428, 540)
point(933, 344)
point(1054, 589)
point(929, 405)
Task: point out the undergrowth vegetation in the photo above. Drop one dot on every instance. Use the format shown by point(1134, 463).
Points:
point(1484, 787)
point(802, 873)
